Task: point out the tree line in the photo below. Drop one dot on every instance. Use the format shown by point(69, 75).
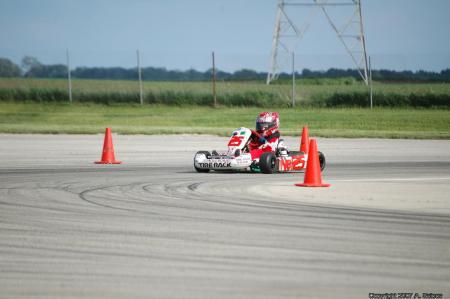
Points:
point(33, 68)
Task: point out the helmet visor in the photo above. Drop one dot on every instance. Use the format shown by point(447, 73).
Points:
point(264, 126)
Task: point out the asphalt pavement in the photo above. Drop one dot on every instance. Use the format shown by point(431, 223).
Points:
point(152, 227)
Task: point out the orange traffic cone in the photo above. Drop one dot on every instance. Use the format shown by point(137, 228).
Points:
point(304, 143)
point(313, 177)
point(108, 150)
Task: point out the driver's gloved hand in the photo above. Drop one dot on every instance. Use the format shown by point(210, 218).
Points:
point(262, 140)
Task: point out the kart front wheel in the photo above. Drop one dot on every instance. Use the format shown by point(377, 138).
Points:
point(268, 163)
point(207, 155)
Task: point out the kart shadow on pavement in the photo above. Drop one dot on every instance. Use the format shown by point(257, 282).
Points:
point(193, 171)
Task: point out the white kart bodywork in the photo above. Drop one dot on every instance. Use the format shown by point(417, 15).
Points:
point(235, 158)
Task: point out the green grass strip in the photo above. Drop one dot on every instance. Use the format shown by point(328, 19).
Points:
point(55, 118)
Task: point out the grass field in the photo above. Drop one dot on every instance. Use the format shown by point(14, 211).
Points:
point(55, 118)
point(35, 117)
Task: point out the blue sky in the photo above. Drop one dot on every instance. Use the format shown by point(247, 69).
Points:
point(180, 34)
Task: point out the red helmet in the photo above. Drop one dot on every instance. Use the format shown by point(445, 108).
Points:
point(267, 121)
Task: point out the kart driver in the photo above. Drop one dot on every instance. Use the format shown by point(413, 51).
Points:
point(268, 136)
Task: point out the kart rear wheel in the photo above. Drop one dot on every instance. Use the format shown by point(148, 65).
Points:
point(207, 154)
point(322, 161)
point(268, 163)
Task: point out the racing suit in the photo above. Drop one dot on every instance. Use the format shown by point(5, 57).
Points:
point(261, 144)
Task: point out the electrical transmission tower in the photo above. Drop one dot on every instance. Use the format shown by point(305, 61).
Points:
point(350, 32)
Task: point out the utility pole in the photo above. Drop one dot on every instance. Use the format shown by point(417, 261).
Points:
point(69, 79)
point(214, 80)
point(293, 79)
point(141, 97)
point(370, 83)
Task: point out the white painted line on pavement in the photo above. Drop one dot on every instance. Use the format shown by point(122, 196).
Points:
point(390, 180)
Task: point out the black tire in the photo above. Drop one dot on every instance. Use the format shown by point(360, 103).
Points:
point(322, 161)
point(207, 154)
point(268, 163)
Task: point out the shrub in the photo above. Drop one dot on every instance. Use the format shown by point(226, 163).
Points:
point(361, 99)
point(167, 97)
point(236, 98)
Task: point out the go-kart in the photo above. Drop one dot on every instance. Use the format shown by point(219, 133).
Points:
point(238, 157)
